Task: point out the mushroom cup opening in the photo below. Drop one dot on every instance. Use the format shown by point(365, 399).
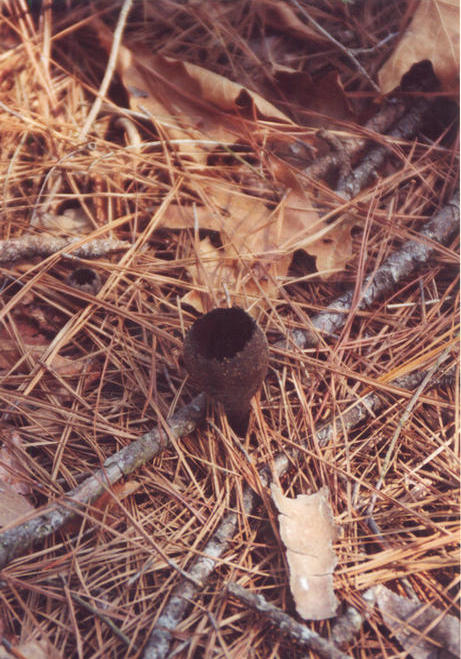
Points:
point(222, 333)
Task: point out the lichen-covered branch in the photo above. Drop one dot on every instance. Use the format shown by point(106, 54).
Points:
point(44, 245)
point(406, 128)
point(391, 112)
point(439, 229)
point(17, 540)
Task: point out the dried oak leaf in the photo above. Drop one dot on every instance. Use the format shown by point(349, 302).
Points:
point(13, 485)
point(64, 366)
point(422, 630)
point(214, 276)
point(433, 35)
point(322, 99)
point(257, 242)
point(308, 530)
point(197, 108)
point(72, 221)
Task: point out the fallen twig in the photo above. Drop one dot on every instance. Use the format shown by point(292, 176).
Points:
point(44, 245)
point(18, 539)
point(391, 112)
point(158, 644)
point(407, 127)
point(106, 619)
point(439, 229)
point(297, 632)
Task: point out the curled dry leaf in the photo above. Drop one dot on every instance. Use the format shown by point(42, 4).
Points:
point(187, 102)
point(433, 35)
point(64, 366)
point(15, 358)
point(13, 506)
point(422, 630)
point(308, 531)
point(322, 98)
point(258, 241)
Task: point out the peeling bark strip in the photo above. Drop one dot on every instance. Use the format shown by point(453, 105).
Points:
point(301, 634)
point(17, 540)
point(439, 229)
point(44, 245)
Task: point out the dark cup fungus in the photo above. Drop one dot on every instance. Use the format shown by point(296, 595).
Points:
point(226, 356)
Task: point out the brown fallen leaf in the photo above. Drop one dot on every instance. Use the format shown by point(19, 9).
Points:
point(11, 470)
point(192, 106)
point(216, 276)
point(187, 103)
point(333, 250)
point(258, 242)
point(423, 631)
point(64, 366)
point(307, 529)
point(13, 481)
point(13, 505)
point(38, 648)
point(72, 221)
point(433, 35)
point(322, 99)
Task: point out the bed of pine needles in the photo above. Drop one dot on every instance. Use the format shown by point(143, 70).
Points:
point(121, 559)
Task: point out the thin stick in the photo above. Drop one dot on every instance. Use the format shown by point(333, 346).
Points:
point(302, 635)
point(338, 44)
point(126, 7)
point(439, 229)
point(18, 539)
point(158, 644)
point(45, 244)
point(381, 122)
point(96, 612)
point(406, 128)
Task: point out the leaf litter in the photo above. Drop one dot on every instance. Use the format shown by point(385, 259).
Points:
point(175, 183)
point(196, 110)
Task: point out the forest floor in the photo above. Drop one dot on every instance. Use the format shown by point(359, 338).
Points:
point(158, 160)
